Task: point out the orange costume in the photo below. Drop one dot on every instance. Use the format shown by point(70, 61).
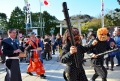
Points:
point(35, 64)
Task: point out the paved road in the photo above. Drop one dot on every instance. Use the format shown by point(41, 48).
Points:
point(54, 71)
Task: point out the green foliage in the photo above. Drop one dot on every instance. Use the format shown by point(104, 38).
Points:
point(17, 19)
point(85, 16)
point(118, 2)
point(3, 21)
point(48, 19)
point(3, 16)
point(112, 18)
point(93, 24)
point(49, 23)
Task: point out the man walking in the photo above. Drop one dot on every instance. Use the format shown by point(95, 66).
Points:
point(10, 48)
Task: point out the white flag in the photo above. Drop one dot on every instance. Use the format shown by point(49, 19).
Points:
point(44, 3)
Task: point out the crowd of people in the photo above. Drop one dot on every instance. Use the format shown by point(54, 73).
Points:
point(33, 49)
point(93, 44)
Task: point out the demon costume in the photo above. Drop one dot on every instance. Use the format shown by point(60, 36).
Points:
point(35, 63)
point(72, 73)
point(100, 47)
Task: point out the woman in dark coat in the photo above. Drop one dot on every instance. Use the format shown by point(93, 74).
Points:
point(72, 73)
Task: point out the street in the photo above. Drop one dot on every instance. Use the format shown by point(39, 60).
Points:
point(54, 71)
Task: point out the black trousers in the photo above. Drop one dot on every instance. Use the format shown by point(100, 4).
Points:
point(100, 71)
point(75, 74)
point(13, 70)
point(53, 49)
point(45, 54)
point(111, 60)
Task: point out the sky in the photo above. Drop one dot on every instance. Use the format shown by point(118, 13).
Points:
point(76, 7)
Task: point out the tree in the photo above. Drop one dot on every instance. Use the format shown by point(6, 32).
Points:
point(36, 19)
point(48, 19)
point(49, 23)
point(3, 21)
point(112, 18)
point(17, 19)
point(92, 24)
point(118, 2)
point(108, 20)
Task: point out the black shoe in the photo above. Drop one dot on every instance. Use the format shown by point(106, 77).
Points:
point(118, 65)
point(43, 57)
point(27, 61)
point(107, 68)
point(42, 76)
point(111, 69)
point(30, 73)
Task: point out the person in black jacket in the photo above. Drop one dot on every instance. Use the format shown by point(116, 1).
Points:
point(73, 73)
point(11, 49)
point(47, 48)
point(100, 46)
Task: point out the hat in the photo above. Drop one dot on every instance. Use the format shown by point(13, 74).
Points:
point(32, 33)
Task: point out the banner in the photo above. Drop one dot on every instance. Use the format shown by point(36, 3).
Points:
point(28, 11)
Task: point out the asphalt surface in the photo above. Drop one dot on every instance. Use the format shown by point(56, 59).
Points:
point(55, 69)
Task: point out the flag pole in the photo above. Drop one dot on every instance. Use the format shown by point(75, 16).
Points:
point(30, 17)
point(26, 13)
point(102, 14)
point(40, 17)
